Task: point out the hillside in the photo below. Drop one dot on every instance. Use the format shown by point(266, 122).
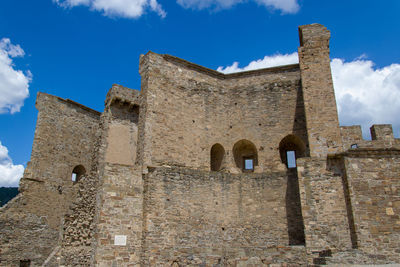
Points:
point(6, 194)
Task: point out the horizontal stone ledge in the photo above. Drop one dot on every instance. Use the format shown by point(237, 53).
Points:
point(366, 152)
point(33, 179)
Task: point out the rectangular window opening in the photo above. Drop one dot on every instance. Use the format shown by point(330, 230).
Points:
point(291, 159)
point(248, 164)
point(73, 177)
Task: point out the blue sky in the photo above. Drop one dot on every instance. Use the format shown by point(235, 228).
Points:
point(78, 48)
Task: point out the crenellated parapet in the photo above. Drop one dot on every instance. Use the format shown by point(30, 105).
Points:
point(381, 137)
point(371, 182)
point(351, 135)
point(382, 132)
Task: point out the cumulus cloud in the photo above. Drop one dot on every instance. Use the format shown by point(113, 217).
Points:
point(10, 174)
point(14, 84)
point(285, 6)
point(266, 62)
point(365, 95)
point(117, 8)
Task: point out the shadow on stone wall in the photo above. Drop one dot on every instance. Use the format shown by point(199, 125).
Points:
point(294, 216)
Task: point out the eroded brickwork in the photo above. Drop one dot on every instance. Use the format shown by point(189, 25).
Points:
point(195, 170)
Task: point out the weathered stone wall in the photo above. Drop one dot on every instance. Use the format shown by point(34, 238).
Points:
point(197, 218)
point(79, 227)
point(148, 197)
point(122, 110)
point(190, 108)
point(120, 194)
point(65, 137)
point(323, 205)
point(25, 235)
point(381, 135)
point(351, 136)
point(373, 177)
point(120, 202)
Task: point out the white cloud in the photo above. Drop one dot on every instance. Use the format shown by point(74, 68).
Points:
point(10, 174)
point(266, 62)
point(365, 95)
point(117, 8)
point(285, 6)
point(203, 4)
point(14, 84)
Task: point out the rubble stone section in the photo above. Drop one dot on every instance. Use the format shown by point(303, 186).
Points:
point(78, 226)
point(161, 179)
point(65, 136)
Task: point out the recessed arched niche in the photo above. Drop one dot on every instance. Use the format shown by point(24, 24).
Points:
point(77, 173)
point(291, 148)
point(245, 155)
point(217, 155)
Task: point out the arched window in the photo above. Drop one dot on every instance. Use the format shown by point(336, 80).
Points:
point(290, 148)
point(217, 155)
point(77, 173)
point(245, 154)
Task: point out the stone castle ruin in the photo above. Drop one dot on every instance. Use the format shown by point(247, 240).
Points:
point(200, 168)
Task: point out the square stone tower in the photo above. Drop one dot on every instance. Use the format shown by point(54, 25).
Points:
point(319, 97)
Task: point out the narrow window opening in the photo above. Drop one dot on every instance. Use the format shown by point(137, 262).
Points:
point(291, 159)
point(73, 177)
